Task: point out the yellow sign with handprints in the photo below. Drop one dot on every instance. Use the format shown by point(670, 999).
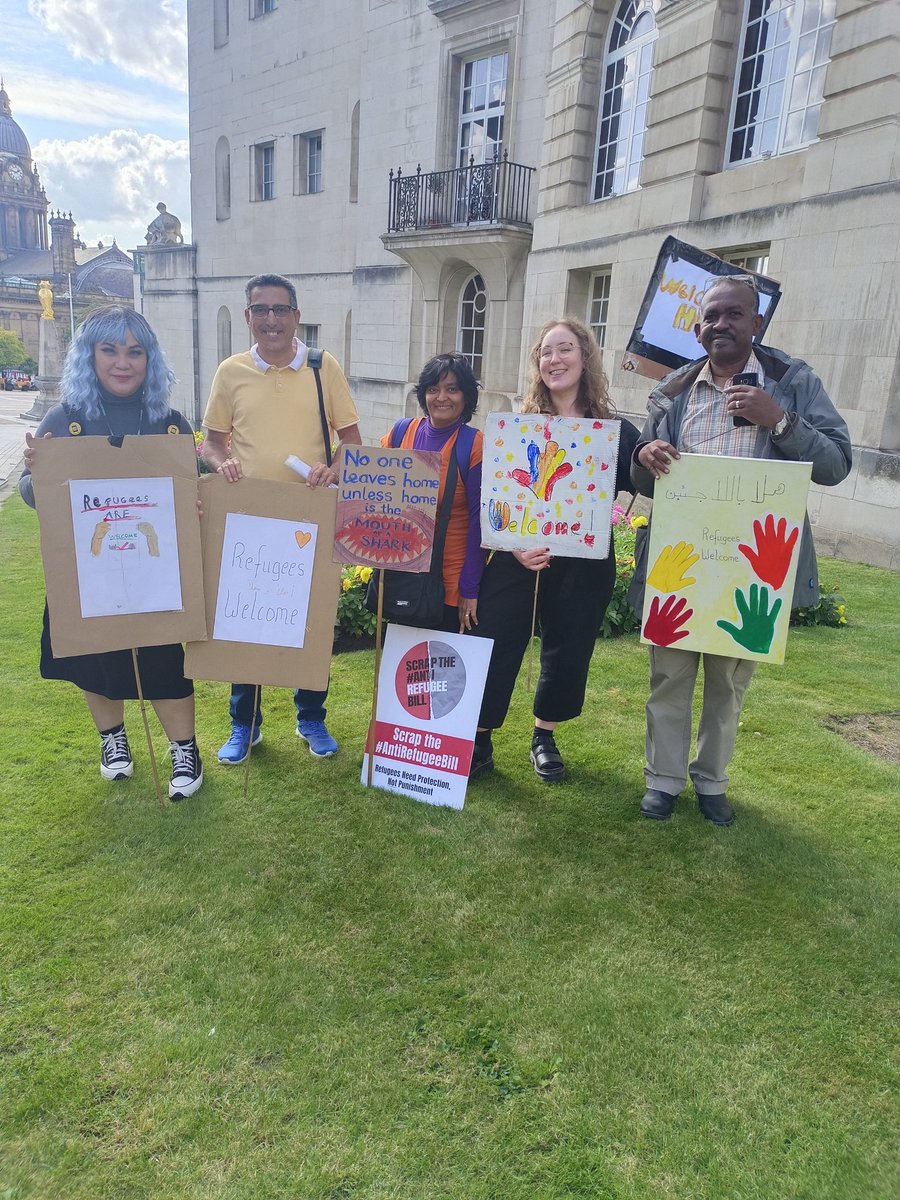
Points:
point(724, 543)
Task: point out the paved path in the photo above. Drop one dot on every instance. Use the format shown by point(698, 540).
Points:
point(12, 436)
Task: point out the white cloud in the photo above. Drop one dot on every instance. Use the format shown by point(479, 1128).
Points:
point(145, 38)
point(59, 99)
point(112, 182)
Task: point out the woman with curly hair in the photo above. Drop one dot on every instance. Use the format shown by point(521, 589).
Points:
point(116, 381)
point(566, 380)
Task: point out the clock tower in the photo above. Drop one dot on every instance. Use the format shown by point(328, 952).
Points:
point(23, 202)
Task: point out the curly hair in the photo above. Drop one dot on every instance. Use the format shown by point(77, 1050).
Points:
point(79, 387)
point(439, 366)
point(593, 389)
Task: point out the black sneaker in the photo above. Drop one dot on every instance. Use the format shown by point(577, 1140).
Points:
point(187, 769)
point(115, 755)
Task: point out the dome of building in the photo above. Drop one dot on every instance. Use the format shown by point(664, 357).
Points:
point(12, 139)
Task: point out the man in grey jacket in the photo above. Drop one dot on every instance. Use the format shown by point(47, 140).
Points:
point(701, 409)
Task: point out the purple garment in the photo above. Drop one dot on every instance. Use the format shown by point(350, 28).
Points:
point(429, 438)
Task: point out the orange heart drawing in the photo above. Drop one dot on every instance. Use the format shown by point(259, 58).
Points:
point(302, 537)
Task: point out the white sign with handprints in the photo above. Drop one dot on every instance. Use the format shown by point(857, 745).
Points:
point(264, 580)
point(548, 481)
point(126, 546)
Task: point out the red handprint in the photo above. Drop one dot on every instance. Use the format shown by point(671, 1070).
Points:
point(662, 626)
point(772, 556)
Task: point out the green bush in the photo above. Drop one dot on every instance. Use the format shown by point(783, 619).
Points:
point(353, 618)
point(830, 610)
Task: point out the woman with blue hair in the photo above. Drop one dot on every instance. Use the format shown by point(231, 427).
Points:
point(116, 382)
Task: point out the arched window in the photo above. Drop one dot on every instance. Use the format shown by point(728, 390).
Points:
point(472, 309)
point(627, 68)
point(223, 334)
point(781, 80)
point(354, 154)
point(223, 179)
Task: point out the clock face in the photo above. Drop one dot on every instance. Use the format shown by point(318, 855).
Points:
point(16, 173)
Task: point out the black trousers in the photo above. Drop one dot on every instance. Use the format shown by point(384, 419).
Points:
point(573, 594)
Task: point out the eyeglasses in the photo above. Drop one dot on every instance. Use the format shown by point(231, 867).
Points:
point(277, 310)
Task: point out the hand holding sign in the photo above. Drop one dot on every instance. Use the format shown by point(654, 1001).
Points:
point(772, 557)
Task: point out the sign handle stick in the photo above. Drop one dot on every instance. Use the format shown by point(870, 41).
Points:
point(537, 580)
point(143, 706)
point(250, 744)
point(370, 741)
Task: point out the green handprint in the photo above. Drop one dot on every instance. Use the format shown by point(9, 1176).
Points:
point(668, 574)
point(758, 624)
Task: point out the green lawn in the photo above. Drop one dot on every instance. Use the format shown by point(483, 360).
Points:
point(326, 993)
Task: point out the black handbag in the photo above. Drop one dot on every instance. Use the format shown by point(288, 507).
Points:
point(418, 598)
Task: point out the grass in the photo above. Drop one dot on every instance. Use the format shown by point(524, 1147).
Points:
point(327, 993)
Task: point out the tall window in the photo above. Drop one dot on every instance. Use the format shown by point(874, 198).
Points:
point(223, 333)
point(472, 309)
point(781, 81)
point(598, 305)
point(223, 179)
point(310, 335)
point(263, 171)
point(308, 162)
point(259, 8)
point(482, 107)
point(627, 69)
point(220, 22)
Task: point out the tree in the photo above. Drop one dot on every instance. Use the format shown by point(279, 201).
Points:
point(12, 352)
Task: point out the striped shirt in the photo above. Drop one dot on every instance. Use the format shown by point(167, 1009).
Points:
point(707, 428)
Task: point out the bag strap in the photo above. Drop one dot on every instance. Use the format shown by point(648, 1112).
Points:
point(398, 433)
point(443, 516)
point(465, 440)
point(314, 359)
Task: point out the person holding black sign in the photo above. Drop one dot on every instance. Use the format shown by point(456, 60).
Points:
point(744, 400)
point(115, 382)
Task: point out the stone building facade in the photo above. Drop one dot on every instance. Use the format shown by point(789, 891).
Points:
point(440, 174)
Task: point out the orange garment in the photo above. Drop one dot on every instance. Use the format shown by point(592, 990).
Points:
point(458, 526)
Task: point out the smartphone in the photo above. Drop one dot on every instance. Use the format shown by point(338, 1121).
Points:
point(749, 379)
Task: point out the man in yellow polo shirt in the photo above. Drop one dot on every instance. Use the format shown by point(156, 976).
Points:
point(264, 405)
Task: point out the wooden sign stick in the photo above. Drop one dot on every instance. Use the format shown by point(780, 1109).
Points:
point(250, 743)
point(537, 580)
point(378, 627)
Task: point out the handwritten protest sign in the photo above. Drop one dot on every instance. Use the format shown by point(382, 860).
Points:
point(264, 580)
point(663, 337)
point(429, 697)
point(126, 546)
point(548, 481)
point(724, 543)
point(386, 508)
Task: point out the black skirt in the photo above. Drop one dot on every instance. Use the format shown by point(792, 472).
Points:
point(111, 674)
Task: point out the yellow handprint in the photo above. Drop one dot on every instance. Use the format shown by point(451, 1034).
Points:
point(668, 574)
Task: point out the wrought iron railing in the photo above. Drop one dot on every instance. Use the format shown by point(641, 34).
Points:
point(495, 192)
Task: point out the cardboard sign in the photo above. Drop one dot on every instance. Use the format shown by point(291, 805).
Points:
point(271, 587)
point(548, 481)
point(663, 337)
point(120, 542)
point(387, 507)
point(724, 543)
point(429, 696)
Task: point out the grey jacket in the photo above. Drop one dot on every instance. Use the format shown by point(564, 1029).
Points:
point(817, 434)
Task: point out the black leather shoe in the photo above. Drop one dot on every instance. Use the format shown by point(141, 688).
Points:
point(716, 809)
point(547, 761)
point(657, 805)
point(482, 760)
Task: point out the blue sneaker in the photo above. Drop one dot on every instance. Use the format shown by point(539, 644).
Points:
point(317, 737)
point(238, 745)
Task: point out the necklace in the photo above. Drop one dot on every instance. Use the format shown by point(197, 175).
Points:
point(140, 418)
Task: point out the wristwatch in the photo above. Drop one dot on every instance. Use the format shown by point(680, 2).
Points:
point(783, 426)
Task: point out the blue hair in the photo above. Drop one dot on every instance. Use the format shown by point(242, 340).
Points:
point(79, 388)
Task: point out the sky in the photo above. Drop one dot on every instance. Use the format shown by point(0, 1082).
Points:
point(99, 88)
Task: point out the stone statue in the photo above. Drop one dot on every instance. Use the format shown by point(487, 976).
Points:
point(164, 230)
point(45, 295)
